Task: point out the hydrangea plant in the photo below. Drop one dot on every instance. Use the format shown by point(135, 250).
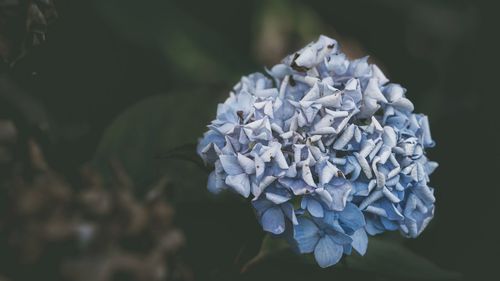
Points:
point(328, 150)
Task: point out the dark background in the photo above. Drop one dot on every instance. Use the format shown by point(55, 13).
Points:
point(166, 64)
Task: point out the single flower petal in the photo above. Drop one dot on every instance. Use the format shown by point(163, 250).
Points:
point(215, 184)
point(230, 164)
point(273, 220)
point(246, 164)
point(306, 234)
point(289, 212)
point(277, 198)
point(360, 241)
point(315, 208)
point(351, 218)
point(297, 186)
point(327, 253)
point(240, 183)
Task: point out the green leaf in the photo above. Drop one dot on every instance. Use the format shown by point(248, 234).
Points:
point(159, 126)
point(384, 258)
point(390, 259)
point(186, 152)
point(271, 247)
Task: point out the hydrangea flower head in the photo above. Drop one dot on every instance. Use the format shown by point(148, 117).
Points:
point(328, 150)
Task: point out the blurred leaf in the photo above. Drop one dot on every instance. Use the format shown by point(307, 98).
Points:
point(185, 152)
point(270, 247)
point(395, 260)
point(385, 258)
point(154, 127)
point(195, 50)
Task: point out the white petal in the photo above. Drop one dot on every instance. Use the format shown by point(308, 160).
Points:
point(246, 164)
point(240, 183)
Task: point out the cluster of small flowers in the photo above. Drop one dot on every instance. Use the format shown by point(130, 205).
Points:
point(327, 148)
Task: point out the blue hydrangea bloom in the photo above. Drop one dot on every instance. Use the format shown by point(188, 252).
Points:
point(327, 148)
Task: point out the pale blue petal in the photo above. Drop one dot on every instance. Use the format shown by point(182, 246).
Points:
point(339, 189)
point(289, 212)
point(306, 234)
point(388, 224)
point(210, 138)
point(246, 164)
point(373, 226)
point(215, 185)
point(327, 252)
point(330, 222)
point(315, 208)
point(297, 186)
point(351, 218)
point(240, 183)
point(361, 188)
point(277, 197)
point(261, 205)
point(392, 212)
point(303, 202)
point(273, 220)
point(340, 238)
point(230, 164)
point(280, 71)
point(360, 241)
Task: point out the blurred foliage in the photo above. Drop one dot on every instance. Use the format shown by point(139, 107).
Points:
point(141, 136)
point(194, 49)
point(93, 232)
point(385, 258)
point(23, 25)
point(391, 259)
point(135, 82)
